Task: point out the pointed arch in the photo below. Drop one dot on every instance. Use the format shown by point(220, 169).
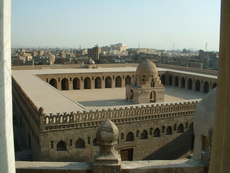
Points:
point(206, 87)
point(108, 82)
point(97, 82)
point(118, 82)
point(157, 132)
point(190, 84)
point(64, 84)
point(76, 84)
point(87, 83)
point(197, 85)
point(61, 146)
point(80, 143)
point(153, 96)
point(127, 80)
point(180, 128)
point(182, 82)
point(130, 136)
point(53, 82)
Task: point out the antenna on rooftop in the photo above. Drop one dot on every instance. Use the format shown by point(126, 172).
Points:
point(138, 45)
point(206, 46)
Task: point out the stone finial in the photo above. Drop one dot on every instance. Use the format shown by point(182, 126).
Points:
point(107, 133)
point(107, 160)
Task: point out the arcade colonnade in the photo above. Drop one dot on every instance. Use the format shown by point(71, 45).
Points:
point(197, 83)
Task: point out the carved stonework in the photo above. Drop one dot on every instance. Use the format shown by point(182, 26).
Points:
point(108, 160)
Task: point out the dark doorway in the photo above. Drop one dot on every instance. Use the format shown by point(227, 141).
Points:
point(108, 82)
point(127, 154)
point(53, 82)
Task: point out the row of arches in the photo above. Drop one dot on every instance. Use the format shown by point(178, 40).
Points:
point(144, 134)
point(79, 144)
point(157, 132)
point(188, 83)
point(76, 83)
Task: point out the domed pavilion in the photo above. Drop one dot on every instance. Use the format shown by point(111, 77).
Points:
point(146, 87)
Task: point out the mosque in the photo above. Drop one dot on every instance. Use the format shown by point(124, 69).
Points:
point(59, 109)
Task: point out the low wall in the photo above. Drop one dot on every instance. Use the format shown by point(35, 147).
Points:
point(191, 69)
point(176, 166)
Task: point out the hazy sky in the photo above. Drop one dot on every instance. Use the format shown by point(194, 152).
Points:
point(154, 23)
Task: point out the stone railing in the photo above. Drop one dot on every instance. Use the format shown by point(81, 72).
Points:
point(124, 114)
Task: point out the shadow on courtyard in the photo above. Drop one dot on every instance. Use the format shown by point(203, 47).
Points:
point(174, 149)
point(102, 103)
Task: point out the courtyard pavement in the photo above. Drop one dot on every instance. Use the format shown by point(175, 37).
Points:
point(99, 98)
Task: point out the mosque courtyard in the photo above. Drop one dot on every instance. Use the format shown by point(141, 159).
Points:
point(99, 98)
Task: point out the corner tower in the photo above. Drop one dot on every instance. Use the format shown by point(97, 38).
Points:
point(146, 87)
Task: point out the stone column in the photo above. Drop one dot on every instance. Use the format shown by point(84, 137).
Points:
point(102, 82)
point(122, 82)
point(81, 83)
point(59, 83)
point(113, 82)
point(7, 160)
point(92, 83)
point(70, 83)
point(220, 155)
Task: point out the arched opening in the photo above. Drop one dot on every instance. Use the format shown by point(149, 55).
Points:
point(130, 137)
point(127, 80)
point(182, 82)
point(206, 87)
point(169, 130)
point(197, 85)
point(108, 82)
point(152, 83)
point(61, 146)
point(214, 85)
point(180, 128)
point(190, 84)
point(170, 80)
point(97, 82)
point(131, 95)
point(144, 134)
point(118, 82)
point(80, 143)
point(76, 84)
point(163, 79)
point(176, 81)
point(87, 83)
point(157, 132)
point(153, 96)
point(95, 143)
point(53, 82)
point(64, 84)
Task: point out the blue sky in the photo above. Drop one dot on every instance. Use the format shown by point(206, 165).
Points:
point(154, 23)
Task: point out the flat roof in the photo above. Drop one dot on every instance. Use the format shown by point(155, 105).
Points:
point(54, 101)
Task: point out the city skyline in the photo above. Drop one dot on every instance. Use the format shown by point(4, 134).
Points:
point(153, 24)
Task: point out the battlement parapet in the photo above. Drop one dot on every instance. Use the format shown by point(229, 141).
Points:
point(122, 114)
